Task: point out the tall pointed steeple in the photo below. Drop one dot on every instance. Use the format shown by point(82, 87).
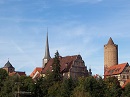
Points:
point(47, 52)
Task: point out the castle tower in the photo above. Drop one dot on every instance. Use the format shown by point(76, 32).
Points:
point(47, 53)
point(110, 54)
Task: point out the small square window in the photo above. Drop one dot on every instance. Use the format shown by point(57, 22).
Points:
point(127, 76)
point(123, 77)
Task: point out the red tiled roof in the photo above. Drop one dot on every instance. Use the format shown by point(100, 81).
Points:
point(21, 73)
point(65, 62)
point(127, 81)
point(18, 72)
point(96, 76)
point(116, 69)
point(39, 69)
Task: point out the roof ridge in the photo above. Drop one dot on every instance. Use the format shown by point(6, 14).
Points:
point(70, 56)
point(116, 69)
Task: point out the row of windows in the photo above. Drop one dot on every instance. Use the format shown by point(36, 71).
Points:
point(127, 71)
point(78, 69)
point(125, 77)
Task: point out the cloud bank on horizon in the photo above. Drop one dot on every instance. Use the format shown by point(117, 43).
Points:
point(74, 26)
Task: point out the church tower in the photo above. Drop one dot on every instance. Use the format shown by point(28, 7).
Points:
point(8, 67)
point(47, 53)
point(110, 54)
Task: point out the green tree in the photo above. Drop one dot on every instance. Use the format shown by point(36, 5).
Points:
point(61, 88)
point(93, 87)
point(41, 87)
point(89, 87)
point(53, 78)
point(54, 90)
point(26, 85)
point(38, 92)
point(8, 88)
point(113, 87)
point(126, 92)
point(56, 74)
point(80, 91)
point(67, 87)
point(101, 87)
point(3, 76)
point(13, 84)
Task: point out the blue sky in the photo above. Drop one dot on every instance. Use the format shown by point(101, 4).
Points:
point(74, 26)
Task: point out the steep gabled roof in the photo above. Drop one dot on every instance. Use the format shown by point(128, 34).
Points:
point(65, 62)
point(116, 69)
point(39, 69)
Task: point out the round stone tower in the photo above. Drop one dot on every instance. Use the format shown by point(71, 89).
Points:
point(110, 54)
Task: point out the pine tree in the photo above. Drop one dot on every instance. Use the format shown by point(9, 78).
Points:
point(56, 74)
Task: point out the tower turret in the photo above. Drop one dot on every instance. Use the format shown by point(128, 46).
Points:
point(47, 52)
point(8, 67)
point(90, 72)
point(110, 54)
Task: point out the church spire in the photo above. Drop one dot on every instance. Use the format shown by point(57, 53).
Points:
point(110, 42)
point(47, 52)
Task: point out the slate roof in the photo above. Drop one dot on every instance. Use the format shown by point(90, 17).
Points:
point(8, 65)
point(65, 62)
point(116, 69)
